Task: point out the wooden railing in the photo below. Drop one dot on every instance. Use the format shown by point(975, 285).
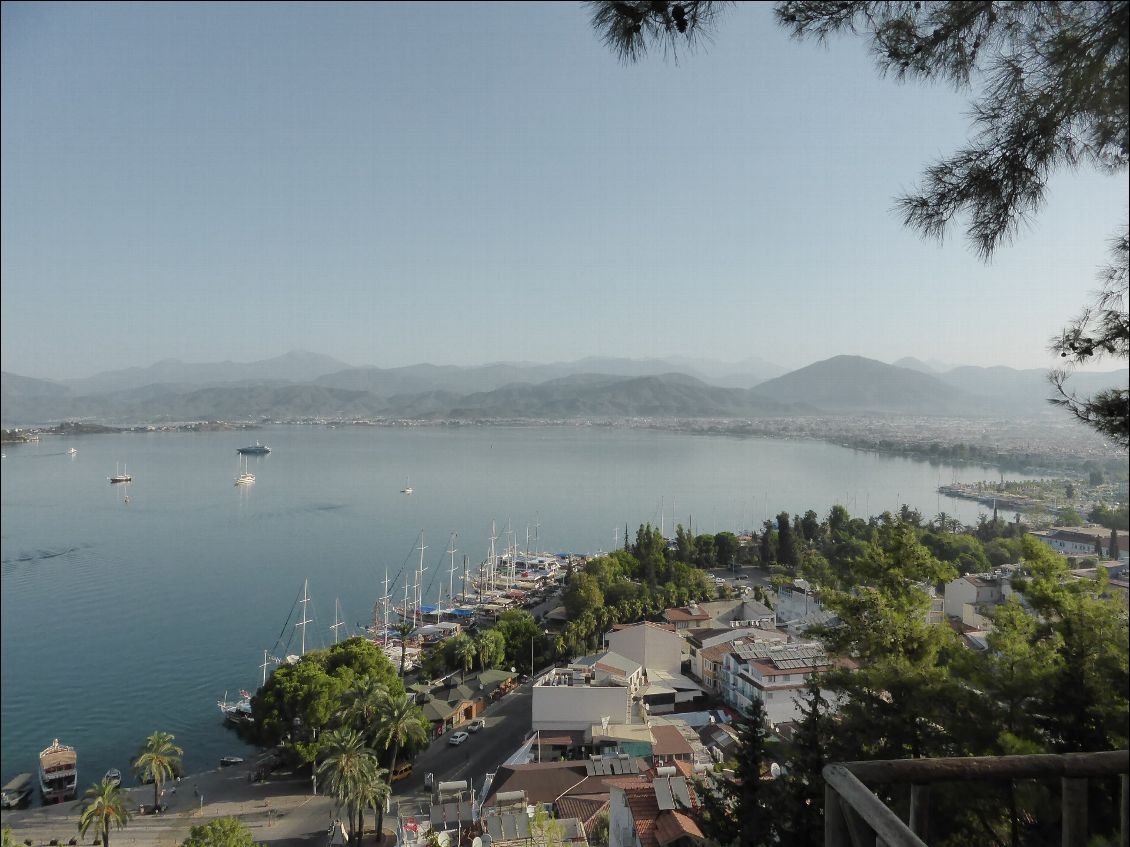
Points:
point(854, 816)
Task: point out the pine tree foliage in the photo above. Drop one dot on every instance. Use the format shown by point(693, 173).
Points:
point(742, 811)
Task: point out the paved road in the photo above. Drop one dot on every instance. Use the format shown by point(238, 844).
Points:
point(282, 812)
point(508, 724)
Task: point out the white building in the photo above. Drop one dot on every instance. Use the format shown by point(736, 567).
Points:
point(775, 674)
point(649, 645)
point(971, 598)
point(591, 690)
point(700, 640)
point(1076, 540)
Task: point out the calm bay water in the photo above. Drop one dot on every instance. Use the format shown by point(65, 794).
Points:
point(122, 618)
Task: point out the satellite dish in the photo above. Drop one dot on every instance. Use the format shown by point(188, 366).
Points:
point(774, 770)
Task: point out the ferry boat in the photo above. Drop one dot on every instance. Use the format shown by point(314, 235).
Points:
point(58, 773)
point(255, 449)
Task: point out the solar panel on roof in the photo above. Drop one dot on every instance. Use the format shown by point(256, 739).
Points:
point(793, 664)
point(681, 792)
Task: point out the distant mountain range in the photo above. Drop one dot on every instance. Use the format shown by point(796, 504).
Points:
point(308, 385)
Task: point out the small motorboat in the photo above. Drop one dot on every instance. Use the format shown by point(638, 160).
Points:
point(228, 761)
point(114, 777)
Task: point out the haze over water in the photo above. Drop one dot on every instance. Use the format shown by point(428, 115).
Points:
point(122, 618)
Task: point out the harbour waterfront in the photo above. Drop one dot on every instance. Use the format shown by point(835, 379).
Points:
point(131, 608)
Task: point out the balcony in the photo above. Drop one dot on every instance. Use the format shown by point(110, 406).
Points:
point(855, 816)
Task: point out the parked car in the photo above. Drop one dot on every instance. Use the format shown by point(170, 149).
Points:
point(457, 738)
point(477, 724)
point(403, 771)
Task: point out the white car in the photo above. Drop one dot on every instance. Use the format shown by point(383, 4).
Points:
point(476, 725)
point(457, 739)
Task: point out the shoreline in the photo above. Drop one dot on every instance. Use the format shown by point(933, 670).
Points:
point(282, 810)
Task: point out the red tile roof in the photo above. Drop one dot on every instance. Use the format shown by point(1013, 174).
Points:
point(685, 615)
point(616, 627)
point(673, 825)
point(669, 742)
point(645, 809)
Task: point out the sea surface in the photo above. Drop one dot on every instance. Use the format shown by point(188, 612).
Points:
point(127, 609)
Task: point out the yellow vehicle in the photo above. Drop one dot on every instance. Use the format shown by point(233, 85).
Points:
point(403, 771)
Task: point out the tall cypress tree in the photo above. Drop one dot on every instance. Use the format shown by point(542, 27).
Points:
point(786, 543)
point(742, 811)
point(1113, 551)
point(800, 812)
point(768, 549)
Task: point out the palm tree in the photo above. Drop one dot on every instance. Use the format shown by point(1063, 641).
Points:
point(159, 760)
point(402, 722)
point(464, 651)
point(366, 700)
point(373, 793)
point(105, 804)
point(348, 767)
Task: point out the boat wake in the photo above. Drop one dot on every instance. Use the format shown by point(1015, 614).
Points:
point(25, 557)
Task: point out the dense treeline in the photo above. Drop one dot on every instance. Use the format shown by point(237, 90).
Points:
point(1054, 679)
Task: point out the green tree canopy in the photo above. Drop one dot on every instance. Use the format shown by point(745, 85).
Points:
point(584, 592)
point(314, 689)
point(220, 832)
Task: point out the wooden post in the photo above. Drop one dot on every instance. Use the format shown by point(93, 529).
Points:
point(874, 814)
point(1124, 836)
point(919, 810)
point(1074, 812)
point(835, 828)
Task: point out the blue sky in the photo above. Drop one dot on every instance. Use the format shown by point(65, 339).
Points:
point(464, 183)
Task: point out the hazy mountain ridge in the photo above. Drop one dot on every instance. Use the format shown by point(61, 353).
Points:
point(840, 385)
point(855, 385)
point(295, 366)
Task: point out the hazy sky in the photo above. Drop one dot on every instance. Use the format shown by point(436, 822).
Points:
point(391, 184)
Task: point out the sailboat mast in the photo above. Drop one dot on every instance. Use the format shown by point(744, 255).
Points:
point(493, 539)
point(302, 623)
point(420, 577)
point(451, 572)
point(464, 578)
point(386, 597)
point(338, 622)
point(263, 667)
